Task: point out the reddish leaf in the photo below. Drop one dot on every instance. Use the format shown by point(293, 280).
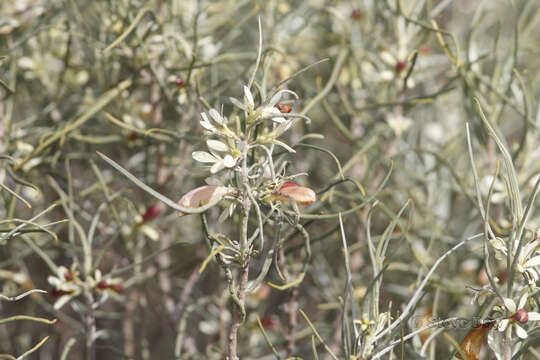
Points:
point(472, 344)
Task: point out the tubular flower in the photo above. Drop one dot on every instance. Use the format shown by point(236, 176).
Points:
point(202, 196)
point(292, 191)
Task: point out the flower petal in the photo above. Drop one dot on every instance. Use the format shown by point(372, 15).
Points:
point(201, 196)
point(216, 145)
point(216, 116)
point(270, 111)
point(534, 316)
point(62, 300)
point(229, 161)
point(217, 167)
point(510, 305)
point(248, 98)
point(528, 249)
point(535, 261)
point(503, 324)
point(237, 103)
point(205, 123)
point(203, 156)
point(54, 281)
point(522, 301)
point(520, 331)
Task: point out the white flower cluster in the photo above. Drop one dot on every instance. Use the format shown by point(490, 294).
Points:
point(224, 153)
point(67, 285)
point(518, 315)
point(527, 261)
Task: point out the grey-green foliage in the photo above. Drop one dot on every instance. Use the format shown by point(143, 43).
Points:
point(390, 85)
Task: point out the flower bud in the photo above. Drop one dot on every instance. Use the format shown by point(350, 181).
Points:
point(521, 316)
point(59, 292)
point(116, 287)
point(356, 14)
point(400, 65)
point(102, 285)
point(179, 82)
point(269, 322)
point(68, 276)
point(152, 212)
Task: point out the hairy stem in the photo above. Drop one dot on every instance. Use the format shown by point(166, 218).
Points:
point(238, 311)
point(90, 322)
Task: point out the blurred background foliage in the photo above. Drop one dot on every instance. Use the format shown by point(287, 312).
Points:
point(84, 76)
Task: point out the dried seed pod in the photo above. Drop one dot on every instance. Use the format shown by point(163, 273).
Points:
point(201, 196)
point(300, 194)
point(284, 108)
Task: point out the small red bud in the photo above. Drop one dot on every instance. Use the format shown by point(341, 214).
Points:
point(132, 136)
point(57, 292)
point(102, 285)
point(400, 65)
point(521, 316)
point(424, 50)
point(179, 82)
point(356, 14)
point(284, 108)
point(68, 276)
point(268, 322)
point(151, 212)
point(117, 287)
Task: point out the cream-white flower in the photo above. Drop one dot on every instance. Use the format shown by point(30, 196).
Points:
point(398, 123)
point(205, 123)
point(266, 110)
point(518, 316)
point(527, 262)
point(271, 138)
point(64, 287)
point(218, 162)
